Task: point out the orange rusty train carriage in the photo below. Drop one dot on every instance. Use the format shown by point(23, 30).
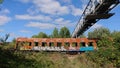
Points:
point(56, 44)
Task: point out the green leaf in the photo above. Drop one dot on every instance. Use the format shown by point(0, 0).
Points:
point(1, 1)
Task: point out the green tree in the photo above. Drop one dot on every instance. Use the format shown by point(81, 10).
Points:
point(55, 33)
point(99, 33)
point(64, 32)
point(116, 44)
point(13, 43)
point(40, 35)
point(4, 39)
point(108, 48)
point(35, 36)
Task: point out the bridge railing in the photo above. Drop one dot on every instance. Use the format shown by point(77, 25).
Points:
point(86, 11)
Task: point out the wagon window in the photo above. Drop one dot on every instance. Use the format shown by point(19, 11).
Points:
point(44, 44)
point(30, 43)
point(74, 44)
point(82, 44)
point(67, 44)
point(36, 43)
point(59, 44)
point(51, 44)
point(90, 44)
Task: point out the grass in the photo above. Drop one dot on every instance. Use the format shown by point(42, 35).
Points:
point(19, 59)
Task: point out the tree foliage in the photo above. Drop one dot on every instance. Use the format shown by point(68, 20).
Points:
point(99, 33)
point(55, 33)
point(40, 35)
point(108, 48)
point(64, 32)
point(1, 1)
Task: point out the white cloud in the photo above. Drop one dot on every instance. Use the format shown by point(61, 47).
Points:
point(32, 10)
point(1, 30)
point(54, 7)
point(13, 35)
point(4, 12)
point(3, 16)
point(61, 22)
point(51, 7)
point(4, 19)
point(84, 3)
point(31, 17)
point(58, 23)
point(76, 11)
point(25, 31)
point(40, 25)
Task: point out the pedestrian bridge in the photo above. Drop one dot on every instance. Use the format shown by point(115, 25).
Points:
point(94, 11)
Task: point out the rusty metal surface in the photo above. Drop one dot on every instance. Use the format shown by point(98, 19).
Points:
point(55, 41)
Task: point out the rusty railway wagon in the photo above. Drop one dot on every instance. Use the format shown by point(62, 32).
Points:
point(56, 44)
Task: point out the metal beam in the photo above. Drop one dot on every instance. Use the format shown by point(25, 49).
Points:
point(94, 11)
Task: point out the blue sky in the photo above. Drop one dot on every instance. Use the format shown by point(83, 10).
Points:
point(24, 18)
